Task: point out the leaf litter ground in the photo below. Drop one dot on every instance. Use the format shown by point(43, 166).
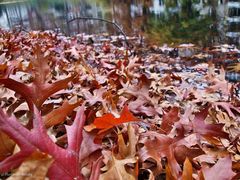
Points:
point(87, 107)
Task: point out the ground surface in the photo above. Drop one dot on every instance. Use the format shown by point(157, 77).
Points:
point(85, 107)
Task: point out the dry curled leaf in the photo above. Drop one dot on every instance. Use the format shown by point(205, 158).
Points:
point(116, 169)
point(34, 167)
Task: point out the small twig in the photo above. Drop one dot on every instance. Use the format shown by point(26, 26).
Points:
point(20, 28)
point(104, 20)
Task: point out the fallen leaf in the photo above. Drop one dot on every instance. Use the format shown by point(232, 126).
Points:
point(169, 119)
point(34, 167)
point(7, 146)
point(37, 138)
point(108, 120)
point(116, 169)
point(187, 170)
point(127, 150)
point(221, 170)
point(58, 115)
point(200, 127)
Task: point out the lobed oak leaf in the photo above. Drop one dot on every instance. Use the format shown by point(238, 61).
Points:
point(40, 67)
point(66, 161)
point(116, 169)
point(227, 107)
point(36, 94)
point(127, 150)
point(40, 89)
point(88, 146)
point(108, 120)
point(219, 86)
point(159, 146)
point(73, 51)
point(96, 97)
point(222, 170)
point(200, 127)
point(138, 107)
point(20, 88)
point(181, 152)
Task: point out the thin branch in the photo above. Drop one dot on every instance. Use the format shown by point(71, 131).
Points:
point(104, 20)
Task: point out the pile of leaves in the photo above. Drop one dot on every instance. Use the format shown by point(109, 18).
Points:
point(74, 109)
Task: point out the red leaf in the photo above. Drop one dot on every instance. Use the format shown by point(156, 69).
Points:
point(169, 119)
point(66, 164)
point(200, 127)
point(108, 120)
point(88, 146)
point(96, 169)
point(96, 97)
point(36, 93)
point(20, 88)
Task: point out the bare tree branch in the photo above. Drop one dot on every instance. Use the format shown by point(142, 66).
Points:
point(104, 20)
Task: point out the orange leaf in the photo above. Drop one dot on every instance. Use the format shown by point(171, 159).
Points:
point(7, 146)
point(187, 170)
point(169, 174)
point(108, 120)
point(59, 115)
